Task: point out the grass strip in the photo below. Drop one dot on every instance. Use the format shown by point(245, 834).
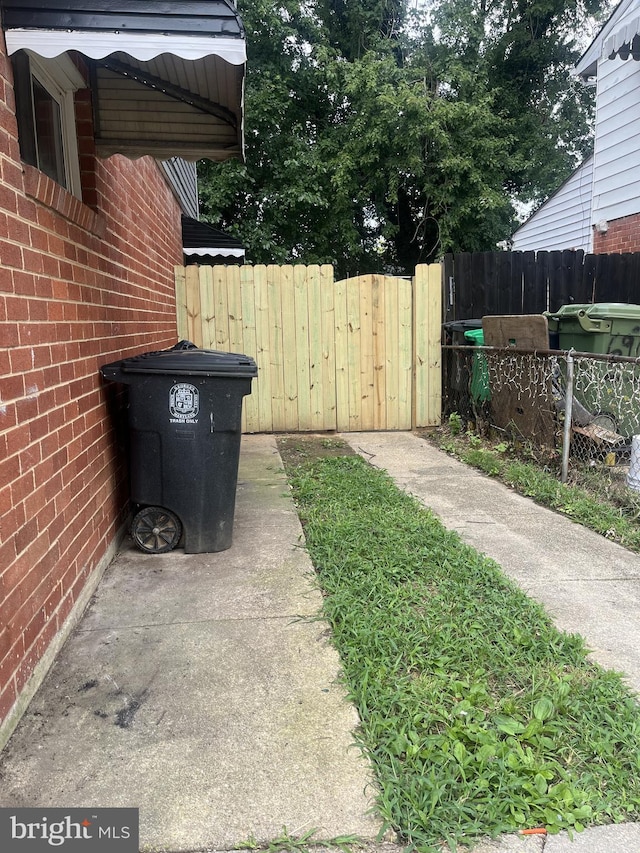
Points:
point(478, 715)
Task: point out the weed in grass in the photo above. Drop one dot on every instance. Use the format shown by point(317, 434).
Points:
point(332, 442)
point(479, 717)
point(291, 843)
point(455, 423)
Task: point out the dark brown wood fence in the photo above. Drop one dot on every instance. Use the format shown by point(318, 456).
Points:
point(479, 283)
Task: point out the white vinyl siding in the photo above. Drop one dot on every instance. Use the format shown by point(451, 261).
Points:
point(616, 186)
point(564, 220)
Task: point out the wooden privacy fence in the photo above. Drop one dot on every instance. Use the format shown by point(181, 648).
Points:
point(479, 283)
point(358, 354)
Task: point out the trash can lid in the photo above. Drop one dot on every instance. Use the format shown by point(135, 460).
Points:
point(598, 311)
point(188, 361)
point(462, 325)
point(475, 335)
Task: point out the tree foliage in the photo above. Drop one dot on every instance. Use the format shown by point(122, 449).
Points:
point(377, 138)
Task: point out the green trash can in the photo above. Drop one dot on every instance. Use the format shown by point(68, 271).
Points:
point(611, 328)
point(603, 328)
point(480, 370)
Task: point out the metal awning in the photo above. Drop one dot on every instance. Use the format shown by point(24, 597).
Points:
point(204, 244)
point(167, 78)
point(624, 42)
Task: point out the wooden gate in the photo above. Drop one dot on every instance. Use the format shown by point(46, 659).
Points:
point(352, 355)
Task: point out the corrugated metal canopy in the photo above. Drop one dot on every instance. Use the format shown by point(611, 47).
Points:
point(167, 78)
point(204, 244)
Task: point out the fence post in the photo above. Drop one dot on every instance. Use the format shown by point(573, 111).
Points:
point(568, 414)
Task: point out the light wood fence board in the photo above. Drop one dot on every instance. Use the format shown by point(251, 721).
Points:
point(276, 347)
point(194, 316)
point(328, 373)
point(263, 359)
point(234, 301)
point(301, 302)
point(230, 279)
point(314, 325)
point(379, 286)
point(427, 331)
point(220, 337)
point(341, 355)
point(434, 346)
point(291, 421)
point(353, 354)
point(207, 309)
point(367, 363)
point(405, 352)
point(181, 299)
point(249, 342)
point(391, 363)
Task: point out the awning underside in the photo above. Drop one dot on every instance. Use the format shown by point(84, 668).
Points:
point(164, 83)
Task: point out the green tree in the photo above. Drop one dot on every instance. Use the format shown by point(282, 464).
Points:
point(353, 27)
point(285, 201)
point(376, 140)
point(522, 52)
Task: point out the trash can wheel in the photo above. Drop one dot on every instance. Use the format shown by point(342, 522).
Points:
point(156, 530)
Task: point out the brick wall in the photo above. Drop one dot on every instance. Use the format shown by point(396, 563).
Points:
point(623, 235)
point(81, 283)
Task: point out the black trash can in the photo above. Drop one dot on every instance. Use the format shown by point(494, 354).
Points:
point(185, 409)
point(454, 331)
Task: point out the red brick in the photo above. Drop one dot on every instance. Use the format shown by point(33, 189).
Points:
point(5, 501)
point(26, 535)
point(7, 699)
point(17, 308)
point(623, 235)
point(34, 628)
point(22, 486)
point(12, 387)
point(26, 209)
point(32, 260)
point(10, 253)
point(24, 284)
point(8, 199)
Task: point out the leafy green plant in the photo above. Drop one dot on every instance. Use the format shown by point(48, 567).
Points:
point(478, 715)
point(455, 423)
point(291, 843)
point(332, 442)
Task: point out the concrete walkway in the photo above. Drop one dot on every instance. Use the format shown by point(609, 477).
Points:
point(196, 690)
point(203, 690)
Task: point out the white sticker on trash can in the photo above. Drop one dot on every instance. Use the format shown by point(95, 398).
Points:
point(184, 403)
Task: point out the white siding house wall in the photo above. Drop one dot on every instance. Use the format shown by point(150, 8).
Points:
point(606, 188)
point(616, 187)
point(564, 220)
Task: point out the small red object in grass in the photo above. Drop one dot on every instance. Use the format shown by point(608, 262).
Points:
point(538, 830)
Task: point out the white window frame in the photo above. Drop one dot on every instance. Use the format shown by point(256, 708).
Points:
point(60, 78)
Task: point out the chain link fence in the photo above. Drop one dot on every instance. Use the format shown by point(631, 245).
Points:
point(576, 414)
